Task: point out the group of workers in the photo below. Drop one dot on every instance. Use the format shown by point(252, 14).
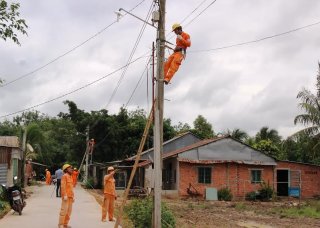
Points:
point(67, 176)
point(67, 180)
point(58, 175)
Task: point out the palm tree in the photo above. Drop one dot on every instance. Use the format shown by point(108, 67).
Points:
point(268, 134)
point(310, 103)
point(238, 134)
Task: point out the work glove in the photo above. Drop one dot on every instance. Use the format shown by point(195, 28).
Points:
point(65, 198)
point(179, 37)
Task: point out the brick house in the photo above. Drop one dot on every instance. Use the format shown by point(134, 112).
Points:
point(225, 162)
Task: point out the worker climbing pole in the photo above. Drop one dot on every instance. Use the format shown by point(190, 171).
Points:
point(173, 63)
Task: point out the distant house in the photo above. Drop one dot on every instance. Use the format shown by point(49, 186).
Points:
point(10, 159)
point(225, 162)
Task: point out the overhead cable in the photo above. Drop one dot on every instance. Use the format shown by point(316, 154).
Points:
point(75, 90)
point(65, 53)
point(131, 55)
point(257, 40)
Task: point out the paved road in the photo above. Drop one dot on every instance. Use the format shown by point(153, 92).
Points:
point(42, 210)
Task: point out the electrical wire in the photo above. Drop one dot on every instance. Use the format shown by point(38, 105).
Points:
point(67, 52)
point(76, 90)
point(200, 13)
point(131, 55)
point(135, 88)
point(257, 40)
point(186, 17)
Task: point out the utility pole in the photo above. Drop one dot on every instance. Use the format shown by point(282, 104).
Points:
point(87, 155)
point(24, 142)
point(158, 116)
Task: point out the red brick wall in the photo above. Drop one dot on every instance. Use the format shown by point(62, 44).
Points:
point(310, 177)
point(239, 180)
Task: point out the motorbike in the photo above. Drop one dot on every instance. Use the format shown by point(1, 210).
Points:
point(16, 197)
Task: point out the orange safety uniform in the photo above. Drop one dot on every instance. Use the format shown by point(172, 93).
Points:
point(173, 63)
point(48, 177)
point(75, 175)
point(109, 197)
point(66, 205)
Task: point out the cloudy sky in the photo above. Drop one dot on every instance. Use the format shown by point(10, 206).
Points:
point(244, 87)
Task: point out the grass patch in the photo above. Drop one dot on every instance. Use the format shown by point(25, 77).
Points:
point(240, 206)
point(4, 208)
point(310, 210)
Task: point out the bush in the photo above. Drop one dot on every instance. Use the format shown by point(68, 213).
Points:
point(225, 194)
point(139, 212)
point(266, 192)
point(252, 196)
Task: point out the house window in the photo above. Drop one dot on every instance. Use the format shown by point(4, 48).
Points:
point(204, 175)
point(256, 176)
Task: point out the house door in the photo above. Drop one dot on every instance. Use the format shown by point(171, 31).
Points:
point(282, 182)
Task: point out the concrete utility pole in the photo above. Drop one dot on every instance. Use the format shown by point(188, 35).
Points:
point(87, 155)
point(24, 153)
point(158, 116)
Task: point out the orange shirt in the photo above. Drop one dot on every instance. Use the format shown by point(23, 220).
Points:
point(184, 42)
point(48, 175)
point(67, 186)
point(109, 185)
point(75, 176)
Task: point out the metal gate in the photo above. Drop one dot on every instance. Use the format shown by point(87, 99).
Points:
point(295, 183)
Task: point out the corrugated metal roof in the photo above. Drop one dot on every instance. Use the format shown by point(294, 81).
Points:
point(195, 145)
point(165, 143)
point(208, 162)
point(9, 141)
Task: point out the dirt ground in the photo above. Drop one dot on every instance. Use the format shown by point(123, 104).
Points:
point(191, 213)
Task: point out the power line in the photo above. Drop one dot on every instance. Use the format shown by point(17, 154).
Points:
point(187, 17)
point(65, 53)
point(257, 40)
point(76, 90)
point(201, 13)
point(131, 55)
point(135, 88)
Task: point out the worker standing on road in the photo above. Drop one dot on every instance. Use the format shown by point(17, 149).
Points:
point(48, 177)
point(173, 63)
point(109, 195)
point(75, 175)
point(58, 174)
point(67, 196)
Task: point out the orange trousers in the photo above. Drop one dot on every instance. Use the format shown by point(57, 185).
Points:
point(172, 65)
point(48, 181)
point(108, 206)
point(65, 212)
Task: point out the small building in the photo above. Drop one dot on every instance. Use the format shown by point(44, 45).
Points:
point(10, 159)
point(226, 162)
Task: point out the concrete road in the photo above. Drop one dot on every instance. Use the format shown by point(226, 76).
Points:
point(42, 210)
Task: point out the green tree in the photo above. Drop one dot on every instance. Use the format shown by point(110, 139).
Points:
point(10, 21)
point(268, 134)
point(267, 146)
point(238, 134)
point(310, 104)
point(202, 128)
point(181, 128)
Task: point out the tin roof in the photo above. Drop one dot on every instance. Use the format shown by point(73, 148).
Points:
point(9, 141)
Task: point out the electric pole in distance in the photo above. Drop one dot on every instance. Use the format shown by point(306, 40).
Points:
point(158, 116)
